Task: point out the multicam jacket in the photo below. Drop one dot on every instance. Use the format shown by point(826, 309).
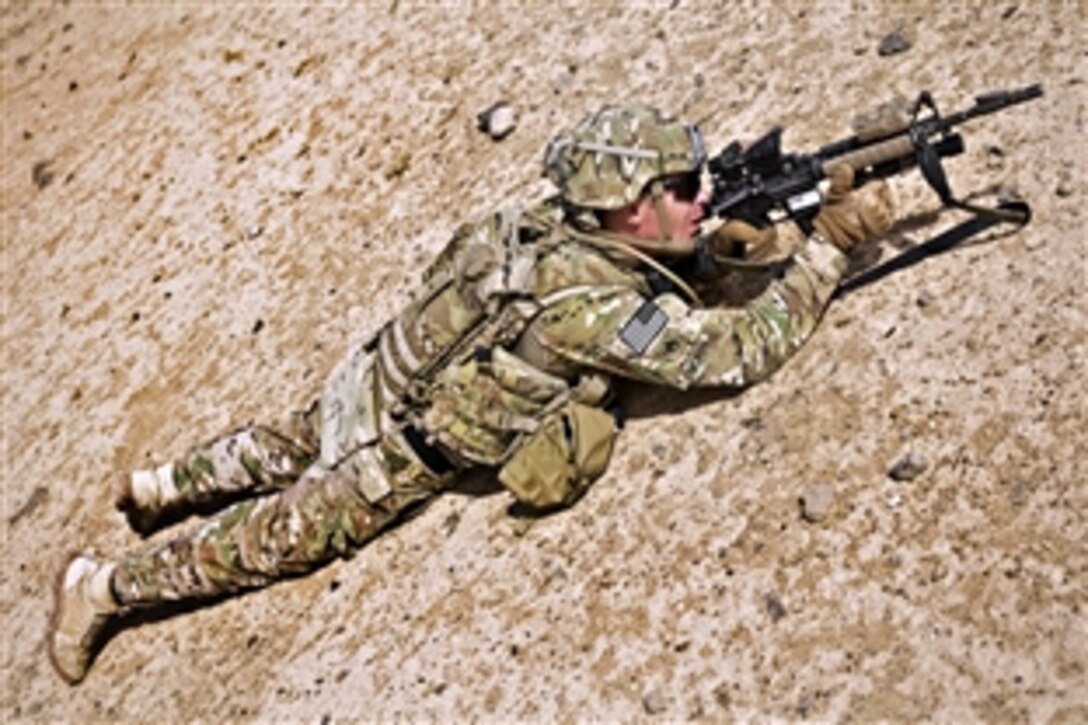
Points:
point(518, 312)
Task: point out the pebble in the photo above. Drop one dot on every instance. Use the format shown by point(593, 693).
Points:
point(909, 467)
point(775, 607)
point(816, 502)
point(498, 121)
point(893, 43)
point(397, 165)
point(41, 174)
point(1033, 242)
point(653, 702)
point(449, 525)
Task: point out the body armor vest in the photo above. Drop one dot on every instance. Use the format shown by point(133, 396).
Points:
point(447, 370)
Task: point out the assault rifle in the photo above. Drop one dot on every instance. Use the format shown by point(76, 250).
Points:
point(760, 184)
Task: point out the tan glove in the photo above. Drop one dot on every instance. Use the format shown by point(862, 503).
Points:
point(849, 218)
point(735, 233)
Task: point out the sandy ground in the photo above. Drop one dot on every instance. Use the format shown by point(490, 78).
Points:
point(203, 205)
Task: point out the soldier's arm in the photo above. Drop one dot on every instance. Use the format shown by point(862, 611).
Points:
point(663, 340)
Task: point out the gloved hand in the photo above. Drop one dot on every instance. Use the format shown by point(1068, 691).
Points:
point(852, 217)
point(725, 240)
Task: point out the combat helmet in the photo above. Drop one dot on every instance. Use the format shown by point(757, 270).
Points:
point(610, 156)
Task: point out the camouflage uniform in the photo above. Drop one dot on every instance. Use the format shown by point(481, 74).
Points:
point(600, 313)
point(522, 316)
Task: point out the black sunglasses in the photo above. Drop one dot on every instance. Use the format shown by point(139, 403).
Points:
point(684, 187)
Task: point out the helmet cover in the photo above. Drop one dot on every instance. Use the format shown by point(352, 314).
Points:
point(607, 160)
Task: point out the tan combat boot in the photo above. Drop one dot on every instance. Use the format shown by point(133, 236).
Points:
point(145, 495)
point(83, 605)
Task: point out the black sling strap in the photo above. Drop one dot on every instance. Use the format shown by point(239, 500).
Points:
point(938, 244)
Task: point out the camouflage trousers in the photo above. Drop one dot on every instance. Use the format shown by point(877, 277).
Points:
point(295, 514)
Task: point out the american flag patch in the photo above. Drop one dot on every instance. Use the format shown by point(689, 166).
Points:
point(642, 329)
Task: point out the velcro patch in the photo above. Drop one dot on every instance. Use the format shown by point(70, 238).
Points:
point(642, 329)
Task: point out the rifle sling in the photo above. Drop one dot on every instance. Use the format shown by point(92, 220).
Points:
point(1017, 212)
point(929, 161)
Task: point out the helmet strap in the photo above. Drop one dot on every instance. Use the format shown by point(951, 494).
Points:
point(657, 192)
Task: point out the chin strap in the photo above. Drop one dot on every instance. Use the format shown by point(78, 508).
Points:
point(657, 192)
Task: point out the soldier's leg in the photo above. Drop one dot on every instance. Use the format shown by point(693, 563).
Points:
point(256, 542)
point(256, 459)
point(248, 545)
point(325, 514)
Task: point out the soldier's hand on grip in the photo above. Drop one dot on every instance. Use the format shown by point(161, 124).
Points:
point(725, 240)
point(850, 216)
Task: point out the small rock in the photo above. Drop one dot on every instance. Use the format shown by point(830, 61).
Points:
point(41, 174)
point(893, 43)
point(775, 608)
point(754, 423)
point(909, 467)
point(449, 525)
point(653, 702)
point(38, 496)
point(1033, 242)
point(1064, 190)
point(254, 231)
point(722, 696)
point(498, 121)
point(938, 571)
point(397, 165)
point(1009, 12)
point(816, 502)
point(924, 298)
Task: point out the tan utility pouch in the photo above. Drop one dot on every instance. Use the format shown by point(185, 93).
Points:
point(556, 463)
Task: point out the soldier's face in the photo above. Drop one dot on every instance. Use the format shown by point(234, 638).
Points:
point(683, 203)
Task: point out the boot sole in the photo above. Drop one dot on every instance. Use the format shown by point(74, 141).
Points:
point(54, 618)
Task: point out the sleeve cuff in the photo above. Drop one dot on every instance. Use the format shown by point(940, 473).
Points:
point(823, 257)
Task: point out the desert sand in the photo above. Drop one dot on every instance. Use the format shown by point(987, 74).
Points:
point(204, 204)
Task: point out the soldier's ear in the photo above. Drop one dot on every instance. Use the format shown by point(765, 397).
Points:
point(638, 211)
point(624, 219)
